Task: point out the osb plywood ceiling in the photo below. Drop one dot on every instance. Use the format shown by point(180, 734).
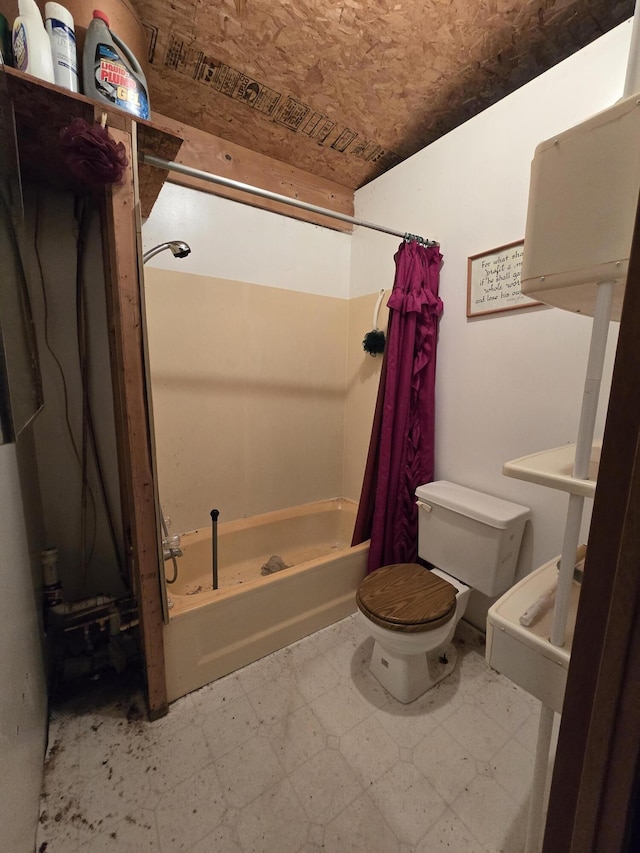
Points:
point(345, 89)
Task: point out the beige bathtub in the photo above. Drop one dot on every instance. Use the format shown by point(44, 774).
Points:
point(214, 632)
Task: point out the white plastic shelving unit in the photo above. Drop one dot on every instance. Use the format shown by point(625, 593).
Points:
point(554, 469)
point(582, 205)
point(525, 654)
point(537, 657)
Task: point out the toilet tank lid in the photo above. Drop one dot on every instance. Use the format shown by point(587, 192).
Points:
point(487, 509)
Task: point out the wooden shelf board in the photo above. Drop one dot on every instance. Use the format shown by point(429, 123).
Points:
point(43, 110)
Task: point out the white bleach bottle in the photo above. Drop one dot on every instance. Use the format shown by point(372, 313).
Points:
point(60, 29)
point(31, 45)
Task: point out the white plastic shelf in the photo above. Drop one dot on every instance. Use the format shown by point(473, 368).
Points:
point(525, 655)
point(553, 468)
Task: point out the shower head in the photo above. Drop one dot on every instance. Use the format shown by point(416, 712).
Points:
point(179, 249)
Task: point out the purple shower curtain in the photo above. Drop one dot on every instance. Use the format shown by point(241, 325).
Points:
point(401, 452)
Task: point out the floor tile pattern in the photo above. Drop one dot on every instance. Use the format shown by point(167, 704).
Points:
point(300, 752)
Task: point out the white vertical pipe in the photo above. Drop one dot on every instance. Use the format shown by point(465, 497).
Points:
point(597, 351)
point(538, 784)
point(586, 427)
point(567, 564)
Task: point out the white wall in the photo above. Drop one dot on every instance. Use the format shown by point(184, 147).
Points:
point(248, 395)
point(23, 704)
point(236, 242)
point(508, 384)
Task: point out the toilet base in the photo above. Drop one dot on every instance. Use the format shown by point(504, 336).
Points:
point(406, 677)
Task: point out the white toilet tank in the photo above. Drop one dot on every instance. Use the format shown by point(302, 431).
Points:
point(470, 535)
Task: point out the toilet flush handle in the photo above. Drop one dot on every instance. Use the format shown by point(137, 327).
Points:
point(422, 505)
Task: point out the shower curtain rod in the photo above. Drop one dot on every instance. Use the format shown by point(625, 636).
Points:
point(171, 166)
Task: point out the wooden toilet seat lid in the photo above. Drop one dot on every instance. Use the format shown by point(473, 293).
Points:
point(406, 597)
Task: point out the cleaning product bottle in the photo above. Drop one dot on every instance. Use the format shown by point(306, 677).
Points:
point(111, 73)
point(31, 46)
point(59, 26)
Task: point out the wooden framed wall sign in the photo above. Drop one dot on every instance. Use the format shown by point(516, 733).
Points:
point(493, 281)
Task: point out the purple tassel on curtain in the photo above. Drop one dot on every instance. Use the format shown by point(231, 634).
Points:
point(401, 452)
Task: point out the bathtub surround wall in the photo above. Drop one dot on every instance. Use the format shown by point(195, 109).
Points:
point(248, 388)
point(507, 384)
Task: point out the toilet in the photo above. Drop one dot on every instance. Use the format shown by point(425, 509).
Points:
point(472, 541)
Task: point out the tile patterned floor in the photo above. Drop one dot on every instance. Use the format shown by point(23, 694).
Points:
point(300, 752)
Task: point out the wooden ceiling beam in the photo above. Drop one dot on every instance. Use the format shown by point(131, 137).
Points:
point(209, 153)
